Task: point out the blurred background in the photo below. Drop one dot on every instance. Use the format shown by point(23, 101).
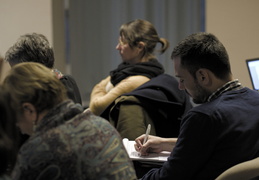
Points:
point(84, 33)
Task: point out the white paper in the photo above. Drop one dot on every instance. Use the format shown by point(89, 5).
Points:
point(134, 155)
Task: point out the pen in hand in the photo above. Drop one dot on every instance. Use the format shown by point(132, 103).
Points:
point(147, 133)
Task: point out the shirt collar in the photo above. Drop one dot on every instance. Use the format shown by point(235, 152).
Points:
point(229, 86)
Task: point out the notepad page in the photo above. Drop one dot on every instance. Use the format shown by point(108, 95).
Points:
point(134, 155)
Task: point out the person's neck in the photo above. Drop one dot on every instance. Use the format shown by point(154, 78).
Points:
point(41, 116)
point(218, 83)
point(144, 59)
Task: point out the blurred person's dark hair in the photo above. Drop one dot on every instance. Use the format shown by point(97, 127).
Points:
point(9, 138)
point(32, 47)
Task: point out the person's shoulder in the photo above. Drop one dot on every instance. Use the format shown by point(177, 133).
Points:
point(223, 100)
point(67, 77)
point(88, 116)
point(73, 91)
point(252, 92)
point(137, 77)
point(68, 80)
point(135, 80)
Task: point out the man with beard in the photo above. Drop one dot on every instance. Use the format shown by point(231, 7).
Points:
point(219, 133)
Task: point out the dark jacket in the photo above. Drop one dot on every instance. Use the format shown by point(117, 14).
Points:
point(72, 88)
point(158, 102)
point(214, 137)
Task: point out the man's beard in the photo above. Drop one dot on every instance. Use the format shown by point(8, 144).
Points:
point(201, 95)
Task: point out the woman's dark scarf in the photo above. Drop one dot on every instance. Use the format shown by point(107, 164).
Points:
point(149, 69)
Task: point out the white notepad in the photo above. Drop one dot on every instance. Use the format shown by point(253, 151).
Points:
point(134, 155)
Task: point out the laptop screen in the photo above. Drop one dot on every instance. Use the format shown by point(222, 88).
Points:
point(253, 69)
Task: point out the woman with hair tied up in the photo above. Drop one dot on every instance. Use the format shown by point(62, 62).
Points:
point(65, 141)
point(137, 43)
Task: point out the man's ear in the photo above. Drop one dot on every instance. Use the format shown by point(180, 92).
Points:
point(202, 76)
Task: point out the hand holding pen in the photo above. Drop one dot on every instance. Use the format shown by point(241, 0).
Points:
point(146, 144)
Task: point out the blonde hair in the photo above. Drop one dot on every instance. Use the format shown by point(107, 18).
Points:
point(34, 83)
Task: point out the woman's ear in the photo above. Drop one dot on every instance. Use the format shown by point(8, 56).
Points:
point(27, 118)
point(29, 110)
point(141, 45)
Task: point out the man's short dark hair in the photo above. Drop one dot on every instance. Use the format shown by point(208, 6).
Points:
point(203, 50)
